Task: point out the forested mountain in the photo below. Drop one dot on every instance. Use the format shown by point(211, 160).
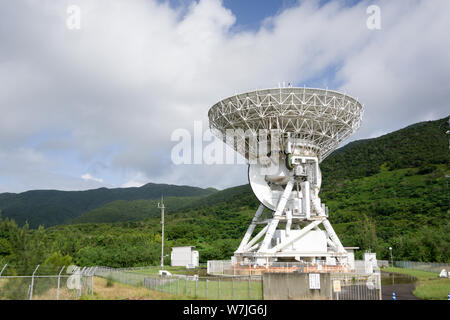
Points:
point(411, 147)
point(140, 209)
point(52, 207)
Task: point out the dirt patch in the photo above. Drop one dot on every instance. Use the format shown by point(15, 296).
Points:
point(120, 291)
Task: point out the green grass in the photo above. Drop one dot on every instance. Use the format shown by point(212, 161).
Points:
point(428, 286)
point(154, 270)
point(435, 289)
point(206, 291)
point(420, 275)
point(216, 289)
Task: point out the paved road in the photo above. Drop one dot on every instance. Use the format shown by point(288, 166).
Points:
point(403, 291)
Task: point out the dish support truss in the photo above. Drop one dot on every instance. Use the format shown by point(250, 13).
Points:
point(264, 251)
point(272, 243)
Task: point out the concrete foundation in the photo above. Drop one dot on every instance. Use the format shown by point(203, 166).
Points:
point(295, 286)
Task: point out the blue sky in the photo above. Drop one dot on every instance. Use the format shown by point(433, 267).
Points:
point(96, 107)
point(250, 13)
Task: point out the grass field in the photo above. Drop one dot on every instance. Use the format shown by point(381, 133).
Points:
point(428, 286)
point(216, 288)
point(153, 270)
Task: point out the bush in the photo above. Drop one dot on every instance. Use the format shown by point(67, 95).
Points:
point(426, 168)
point(109, 282)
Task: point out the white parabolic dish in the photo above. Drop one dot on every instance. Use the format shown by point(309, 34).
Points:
point(322, 119)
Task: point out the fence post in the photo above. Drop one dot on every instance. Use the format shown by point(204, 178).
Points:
point(357, 288)
point(32, 283)
point(233, 288)
point(83, 280)
point(92, 280)
point(59, 280)
point(262, 287)
point(379, 286)
point(4, 267)
point(206, 288)
point(219, 288)
point(249, 287)
point(196, 281)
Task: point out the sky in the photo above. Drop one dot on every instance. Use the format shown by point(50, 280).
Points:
point(95, 104)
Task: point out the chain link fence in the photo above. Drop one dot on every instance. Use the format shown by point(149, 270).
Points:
point(356, 286)
point(382, 263)
point(338, 286)
point(69, 283)
point(423, 266)
point(216, 288)
point(45, 283)
point(362, 282)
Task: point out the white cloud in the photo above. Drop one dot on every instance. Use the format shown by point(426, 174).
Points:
point(137, 181)
point(87, 176)
point(113, 92)
point(24, 168)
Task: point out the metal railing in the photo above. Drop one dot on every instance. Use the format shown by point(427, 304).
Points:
point(382, 263)
point(355, 286)
point(227, 267)
point(65, 283)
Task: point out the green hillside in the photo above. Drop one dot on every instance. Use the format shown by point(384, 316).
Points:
point(52, 207)
point(410, 147)
point(407, 209)
point(141, 209)
point(122, 210)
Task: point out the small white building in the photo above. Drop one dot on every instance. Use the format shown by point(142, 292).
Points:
point(184, 257)
point(370, 262)
point(351, 256)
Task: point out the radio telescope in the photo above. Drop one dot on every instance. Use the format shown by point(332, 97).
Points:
point(285, 133)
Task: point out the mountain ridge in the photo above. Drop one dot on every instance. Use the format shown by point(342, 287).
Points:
point(51, 207)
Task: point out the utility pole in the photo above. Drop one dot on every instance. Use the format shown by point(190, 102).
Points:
point(392, 260)
point(161, 206)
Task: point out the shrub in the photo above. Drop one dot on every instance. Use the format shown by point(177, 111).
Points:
point(109, 282)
